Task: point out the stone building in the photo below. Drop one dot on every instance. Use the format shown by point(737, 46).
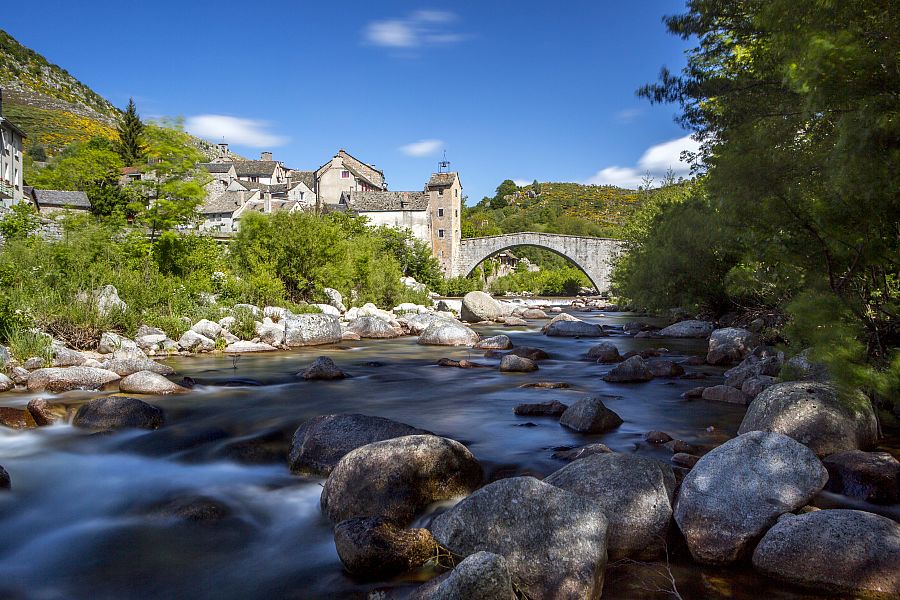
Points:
point(49, 202)
point(12, 139)
point(444, 192)
point(345, 173)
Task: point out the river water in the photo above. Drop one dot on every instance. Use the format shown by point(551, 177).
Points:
point(83, 518)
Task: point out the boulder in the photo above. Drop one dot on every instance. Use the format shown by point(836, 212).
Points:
point(533, 313)
point(635, 493)
point(514, 322)
point(116, 412)
point(870, 476)
point(665, 368)
point(270, 333)
point(5, 356)
point(554, 541)
point(803, 368)
point(133, 364)
point(685, 460)
point(327, 309)
point(419, 323)
point(657, 437)
point(725, 393)
point(558, 319)
point(321, 442)
point(349, 336)
point(207, 328)
point(57, 379)
point(64, 357)
point(145, 330)
point(590, 415)
point(447, 305)
point(553, 408)
point(516, 364)
point(16, 418)
point(192, 341)
point(813, 414)
point(729, 345)
point(633, 370)
point(604, 352)
point(370, 310)
point(479, 306)
point(846, 552)
point(45, 412)
point(335, 299)
point(762, 361)
point(738, 490)
point(530, 353)
point(398, 478)
point(311, 330)
point(481, 576)
point(242, 347)
point(151, 342)
point(148, 382)
point(373, 327)
point(571, 454)
point(374, 547)
point(497, 342)
point(688, 329)
point(448, 333)
point(18, 375)
point(323, 368)
point(5, 483)
point(6, 383)
point(755, 386)
point(108, 301)
point(576, 328)
point(112, 342)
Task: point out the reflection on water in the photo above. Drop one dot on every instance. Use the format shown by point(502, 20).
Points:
point(81, 521)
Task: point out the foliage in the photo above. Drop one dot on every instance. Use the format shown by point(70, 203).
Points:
point(20, 222)
point(565, 281)
point(801, 140)
point(29, 343)
point(244, 325)
point(131, 135)
point(53, 129)
point(413, 255)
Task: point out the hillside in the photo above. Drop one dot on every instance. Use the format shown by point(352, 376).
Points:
point(52, 106)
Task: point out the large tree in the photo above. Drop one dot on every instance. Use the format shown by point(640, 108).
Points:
point(131, 135)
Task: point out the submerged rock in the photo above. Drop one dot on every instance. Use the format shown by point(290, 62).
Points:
point(582, 452)
point(398, 478)
point(115, 412)
point(45, 412)
point(16, 418)
point(530, 353)
point(813, 414)
point(374, 547)
point(553, 408)
point(554, 541)
point(322, 368)
point(738, 490)
point(665, 368)
point(590, 415)
point(839, 551)
point(321, 442)
point(634, 492)
point(57, 379)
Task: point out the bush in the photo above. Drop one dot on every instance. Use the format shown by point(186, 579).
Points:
point(244, 325)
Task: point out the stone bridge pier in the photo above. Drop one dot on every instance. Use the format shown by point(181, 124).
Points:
point(594, 256)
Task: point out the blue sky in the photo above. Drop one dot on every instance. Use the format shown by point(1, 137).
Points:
point(521, 90)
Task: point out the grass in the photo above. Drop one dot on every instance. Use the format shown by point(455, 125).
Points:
point(28, 343)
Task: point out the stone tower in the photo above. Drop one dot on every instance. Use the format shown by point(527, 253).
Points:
point(444, 192)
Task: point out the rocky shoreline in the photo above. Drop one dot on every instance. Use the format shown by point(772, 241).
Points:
point(744, 501)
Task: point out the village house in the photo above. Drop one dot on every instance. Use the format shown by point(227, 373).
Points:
point(49, 202)
point(345, 173)
point(12, 141)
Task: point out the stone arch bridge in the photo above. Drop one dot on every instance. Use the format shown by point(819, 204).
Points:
point(592, 255)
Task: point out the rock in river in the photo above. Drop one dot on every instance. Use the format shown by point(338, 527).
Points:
point(321, 442)
point(311, 330)
point(870, 476)
point(4, 479)
point(132, 364)
point(688, 329)
point(373, 327)
point(147, 382)
point(576, 328)
point(16, 418)
point(554, 541)
point(633, 370)
point(516, 364)
point(635, 493)
point(497, 342)
point(814, 414)
point(604, 352)
point(444, 332)
point(846, 552)
point(481, 576)
point(553, 408)
point(6, 383)
point(322, 368)
point(56, 379)
point(590, 415)
point(738, 490)
point(115, 412)
point(398, 478)
point(729, 345)
point(374, 547)
point(479, 306)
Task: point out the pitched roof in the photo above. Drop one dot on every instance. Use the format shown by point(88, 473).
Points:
point(441, 179)
point(223, 167)
point(4, 122)
point(255, 168)
point(275, 204)
point(360, 170)
point(384, 201)
point(61, 198)
point(307, 178)
point(226, 202)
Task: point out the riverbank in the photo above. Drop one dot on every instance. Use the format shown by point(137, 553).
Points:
point(229, 438)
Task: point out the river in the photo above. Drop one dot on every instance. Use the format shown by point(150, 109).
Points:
point(82, 520)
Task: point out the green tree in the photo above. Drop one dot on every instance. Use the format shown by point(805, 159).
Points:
point(507, 188)
point(20, 222)
point(131, 135)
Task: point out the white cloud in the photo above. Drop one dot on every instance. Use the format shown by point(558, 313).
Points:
point(655, 161)
point(422, 148)
point(234, 130)
point(522, 182)
point(421, 28)
point(627, 115)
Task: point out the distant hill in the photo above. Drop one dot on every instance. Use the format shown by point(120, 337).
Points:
point(52, 106)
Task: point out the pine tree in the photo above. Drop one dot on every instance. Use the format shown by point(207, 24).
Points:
point(131, 132)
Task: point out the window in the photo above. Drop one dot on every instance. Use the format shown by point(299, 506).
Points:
point(441, 192)
point(440, 233)
point(456, 193)
point(345, 174)
point(440, 212)
point(457, 213)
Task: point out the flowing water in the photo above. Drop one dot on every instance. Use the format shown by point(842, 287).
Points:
point(83, 519)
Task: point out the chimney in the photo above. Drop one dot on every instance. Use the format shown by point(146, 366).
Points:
point(265, 156)
point(267, 207)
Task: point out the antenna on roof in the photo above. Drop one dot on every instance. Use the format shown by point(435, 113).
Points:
point(444, 165)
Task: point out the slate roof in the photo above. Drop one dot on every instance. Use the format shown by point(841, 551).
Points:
point(308, 178)
point(227, 202)
point(385, 201)
point(255, 168)
point(60, 198)
point(276, 205)
point(360, 170)
point(441, 179)
point(216, 167)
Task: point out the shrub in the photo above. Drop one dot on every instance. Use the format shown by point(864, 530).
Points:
point(244, 325)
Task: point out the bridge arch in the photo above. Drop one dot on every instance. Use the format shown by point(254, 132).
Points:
point(594, 256)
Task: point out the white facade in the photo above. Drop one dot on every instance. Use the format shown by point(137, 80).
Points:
point(11, 147)
point(418, 221)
